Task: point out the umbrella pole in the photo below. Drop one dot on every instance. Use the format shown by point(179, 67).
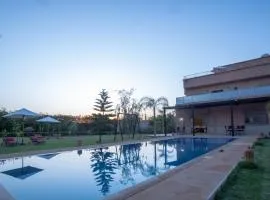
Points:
point(48, 128)
point(22, 130)
point(58, 131)
point(22, 166)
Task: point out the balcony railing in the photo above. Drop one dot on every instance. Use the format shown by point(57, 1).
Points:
point(198, 74)
point(240, 94)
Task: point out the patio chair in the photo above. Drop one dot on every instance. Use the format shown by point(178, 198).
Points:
point(240, 130)
point(204, 129)
point(228, 130)
point(243, 129)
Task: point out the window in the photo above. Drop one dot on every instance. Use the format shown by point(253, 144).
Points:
point(256, 118)
point(216, 91)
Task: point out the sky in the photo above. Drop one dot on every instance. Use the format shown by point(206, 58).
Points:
point(56, 55)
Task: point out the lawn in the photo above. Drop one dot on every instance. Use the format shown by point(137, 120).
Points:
point(63, 142)
point(250, 184)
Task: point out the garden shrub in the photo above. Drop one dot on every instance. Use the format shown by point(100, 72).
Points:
point(258, 143)
point(247, 165)
point(11, 135)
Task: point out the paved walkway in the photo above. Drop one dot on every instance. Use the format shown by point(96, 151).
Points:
point(195, 180)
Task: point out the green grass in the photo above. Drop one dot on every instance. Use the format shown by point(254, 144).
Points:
point(68, 141)
point(249, 183)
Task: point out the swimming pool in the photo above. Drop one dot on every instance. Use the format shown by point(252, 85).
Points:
point(95, 174)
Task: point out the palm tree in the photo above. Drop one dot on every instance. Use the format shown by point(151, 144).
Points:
point(150, 102)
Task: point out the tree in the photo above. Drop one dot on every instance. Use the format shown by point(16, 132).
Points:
point(72, 128)
point(125, 99)
point(135, 110)
point(103, 106)
point(3, 121)
point(123, 108)
point(170, 121)
point(8, 125)
point(150, 102)
point(67, 125)
point(129, 109)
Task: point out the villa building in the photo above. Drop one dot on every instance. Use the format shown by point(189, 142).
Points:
point(231, 99)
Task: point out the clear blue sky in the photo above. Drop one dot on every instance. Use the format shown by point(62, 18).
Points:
point(56, 55)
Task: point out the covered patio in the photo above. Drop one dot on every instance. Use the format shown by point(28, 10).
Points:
point(242, 111)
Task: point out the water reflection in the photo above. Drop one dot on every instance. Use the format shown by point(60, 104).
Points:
point(93, 174)
point(48, 156)
point(2, 162)
point(79, 152)
point(103, 166)
point(146, 160)
point(22, 172)
point(129, 160)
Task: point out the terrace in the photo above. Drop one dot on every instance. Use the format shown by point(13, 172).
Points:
point(240, 95)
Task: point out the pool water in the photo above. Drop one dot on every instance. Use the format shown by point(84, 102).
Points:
point(95, 174)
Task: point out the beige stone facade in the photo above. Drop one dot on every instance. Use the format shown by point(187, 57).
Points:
point(236, 94)
point(245, 74)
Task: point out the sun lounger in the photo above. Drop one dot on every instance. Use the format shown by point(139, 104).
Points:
point(9, 141)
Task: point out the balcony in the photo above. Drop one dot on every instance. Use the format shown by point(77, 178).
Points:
point(241, 94)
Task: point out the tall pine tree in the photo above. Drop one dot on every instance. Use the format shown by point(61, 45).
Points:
point(101, 120)
point(102, 104)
